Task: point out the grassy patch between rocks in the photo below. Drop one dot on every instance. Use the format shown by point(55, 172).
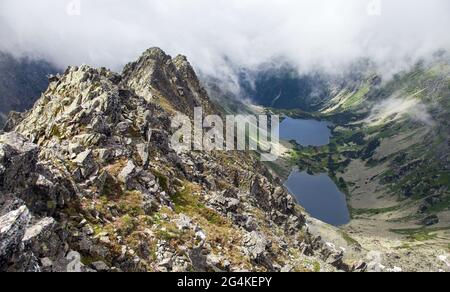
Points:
point(373, 212)
point(188, 203)
point(350, 240)
point(419, 234)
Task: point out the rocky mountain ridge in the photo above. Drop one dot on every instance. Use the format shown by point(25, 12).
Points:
point(89, 182)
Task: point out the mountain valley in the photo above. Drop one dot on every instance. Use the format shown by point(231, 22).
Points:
point(89, 182)
point(389, 154)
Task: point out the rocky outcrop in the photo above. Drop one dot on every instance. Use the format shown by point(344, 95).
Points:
point(256, 246)
point(156, 75)
point(26, 195)
point(21, 174)
point(12, 230)
point(30, 247)
point(430, 220)
point(18, 159)
point(278, 202)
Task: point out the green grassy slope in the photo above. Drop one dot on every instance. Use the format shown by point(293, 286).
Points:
point(400, 126)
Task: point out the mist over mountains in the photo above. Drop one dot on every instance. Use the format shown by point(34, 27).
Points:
point(325, 34)
point(22, 81)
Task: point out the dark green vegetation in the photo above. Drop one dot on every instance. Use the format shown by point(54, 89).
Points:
point(279, 85)
point(400, 125)
point(187, 203)
point(21, 83)
point(420, 234)
point(350, 241)
point(283, 88)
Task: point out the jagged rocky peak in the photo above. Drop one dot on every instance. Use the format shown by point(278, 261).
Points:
point(187, 72)
point(81, 98)
point(156, 75)
point(149, 74)
point(85, 100)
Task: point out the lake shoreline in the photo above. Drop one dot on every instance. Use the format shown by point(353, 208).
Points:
point(318, 193)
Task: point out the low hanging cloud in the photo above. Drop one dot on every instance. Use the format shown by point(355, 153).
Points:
point(396, 108)
point(214, 33)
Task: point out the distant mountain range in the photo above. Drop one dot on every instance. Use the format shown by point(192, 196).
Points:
point(280, 85)
point(22, 81)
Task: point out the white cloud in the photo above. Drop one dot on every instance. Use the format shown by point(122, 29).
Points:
point(309, 33)
point(396, 108)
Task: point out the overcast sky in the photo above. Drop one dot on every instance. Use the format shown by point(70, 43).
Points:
point(310, 33)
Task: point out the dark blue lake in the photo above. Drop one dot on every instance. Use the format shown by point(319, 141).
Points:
point(305, 132)
point(318, 194)
point(320, 197)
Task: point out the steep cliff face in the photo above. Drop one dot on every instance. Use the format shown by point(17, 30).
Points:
point(156, 76)
point(88, 181)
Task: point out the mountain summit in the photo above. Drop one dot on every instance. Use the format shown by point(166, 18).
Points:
point(157, 76)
